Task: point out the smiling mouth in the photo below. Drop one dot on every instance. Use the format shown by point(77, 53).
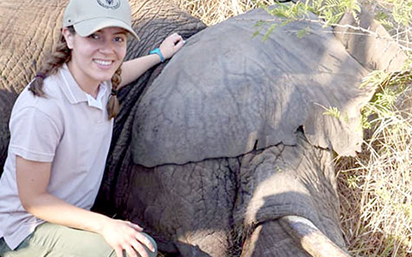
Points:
point(102, 62)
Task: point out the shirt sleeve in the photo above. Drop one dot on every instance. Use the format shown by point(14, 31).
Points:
point(34, 135)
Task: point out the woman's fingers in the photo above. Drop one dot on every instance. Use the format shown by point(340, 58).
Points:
point(119, 252)
point(136, 242)
point(178, 42)
point(138, 248)
point(145, 241)
point(178, 46)
point(125, 236)
point(136, 227)
point(177, 38)
point(135, 250)
point(135, 246)
point(171, 45)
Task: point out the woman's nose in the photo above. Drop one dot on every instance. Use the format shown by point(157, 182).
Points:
point(107, 46)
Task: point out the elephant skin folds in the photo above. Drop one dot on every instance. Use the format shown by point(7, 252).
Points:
point(211, 208)
point(218, 146)
point(227, 93)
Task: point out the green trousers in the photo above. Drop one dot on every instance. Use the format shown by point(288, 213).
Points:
point(53, 240)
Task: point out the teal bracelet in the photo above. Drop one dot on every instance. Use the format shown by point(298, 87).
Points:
point(157, 51)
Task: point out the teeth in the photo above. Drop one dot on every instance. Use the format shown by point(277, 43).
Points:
point(101, 62)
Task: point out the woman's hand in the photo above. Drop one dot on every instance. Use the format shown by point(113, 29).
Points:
point(124, 235)
point(134, 68)
point(171, 45)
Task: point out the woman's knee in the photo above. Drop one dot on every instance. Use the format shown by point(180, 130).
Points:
point(55, 240)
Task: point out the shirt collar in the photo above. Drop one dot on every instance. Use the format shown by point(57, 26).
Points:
point(75, 94)
point(98, 101)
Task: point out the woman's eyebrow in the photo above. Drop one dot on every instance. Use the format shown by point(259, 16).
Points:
point(120, 32)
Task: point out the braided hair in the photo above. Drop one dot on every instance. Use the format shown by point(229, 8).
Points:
point(60, 55)
point(113, 103)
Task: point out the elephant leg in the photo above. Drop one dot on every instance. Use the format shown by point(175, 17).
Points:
point(188, 205)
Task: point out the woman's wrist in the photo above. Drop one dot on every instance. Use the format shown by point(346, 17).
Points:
point(158, 53)
point(99, 223)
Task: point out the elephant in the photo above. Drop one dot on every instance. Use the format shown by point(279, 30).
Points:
point(227, 149)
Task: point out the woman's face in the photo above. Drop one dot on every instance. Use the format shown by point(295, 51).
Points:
point(97, 57)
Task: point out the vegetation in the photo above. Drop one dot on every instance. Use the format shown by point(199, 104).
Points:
point(376, 186)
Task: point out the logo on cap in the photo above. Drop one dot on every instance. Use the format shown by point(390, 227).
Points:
point(109, 4)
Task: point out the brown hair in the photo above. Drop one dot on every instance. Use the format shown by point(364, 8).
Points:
point(113, 103)
point(62, 55)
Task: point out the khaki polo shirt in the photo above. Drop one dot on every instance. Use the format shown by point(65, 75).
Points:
point(68, 128)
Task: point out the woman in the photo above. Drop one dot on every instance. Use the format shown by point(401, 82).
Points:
point(60, 135)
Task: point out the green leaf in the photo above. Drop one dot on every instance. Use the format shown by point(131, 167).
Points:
point(301, 33)
point(332, 111)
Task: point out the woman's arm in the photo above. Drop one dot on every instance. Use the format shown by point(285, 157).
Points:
point(32, 180)
point(133, 69)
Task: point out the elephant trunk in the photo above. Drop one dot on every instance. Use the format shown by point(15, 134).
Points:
point(312, 240)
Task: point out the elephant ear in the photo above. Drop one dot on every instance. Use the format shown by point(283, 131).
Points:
point(227, 93)
point(375, 50)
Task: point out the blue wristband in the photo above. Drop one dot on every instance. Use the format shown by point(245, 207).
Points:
point(157, 51)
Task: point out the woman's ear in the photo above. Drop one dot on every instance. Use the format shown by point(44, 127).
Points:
point(69, 37)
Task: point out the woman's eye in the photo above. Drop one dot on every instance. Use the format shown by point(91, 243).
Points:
point(94, 36)
point(119, 39)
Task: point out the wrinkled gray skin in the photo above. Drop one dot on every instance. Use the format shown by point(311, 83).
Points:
point(230, 137)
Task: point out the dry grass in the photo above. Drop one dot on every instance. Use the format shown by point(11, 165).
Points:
point(212, 11)
point(375, 187)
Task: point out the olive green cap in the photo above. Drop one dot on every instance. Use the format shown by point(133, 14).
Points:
point(89, 16)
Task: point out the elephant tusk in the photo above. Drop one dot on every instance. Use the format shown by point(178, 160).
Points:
point(310, 237)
